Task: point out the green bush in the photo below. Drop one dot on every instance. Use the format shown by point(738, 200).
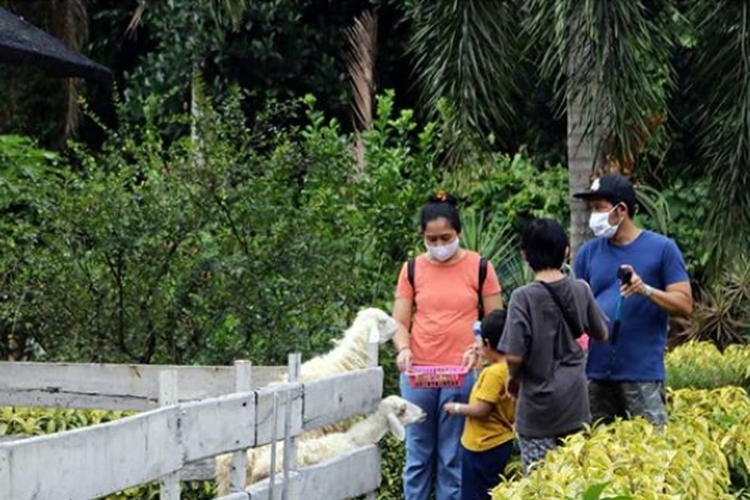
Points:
point(247, 246)
point(700, 365)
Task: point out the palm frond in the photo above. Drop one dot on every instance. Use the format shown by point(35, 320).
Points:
point(466, 52)
point(135, 19)
point(360, 62)
point(222, 11)
point(612, 58)
point(655, 205)
point(722, 74)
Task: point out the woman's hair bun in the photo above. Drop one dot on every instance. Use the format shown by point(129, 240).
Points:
point(442, 196)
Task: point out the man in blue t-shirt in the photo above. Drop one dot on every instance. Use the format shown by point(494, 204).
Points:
point(626, 374)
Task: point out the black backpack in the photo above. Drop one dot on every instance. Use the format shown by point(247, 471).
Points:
point(410, 265)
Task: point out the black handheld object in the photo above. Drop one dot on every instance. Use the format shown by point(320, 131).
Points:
point(625, 274)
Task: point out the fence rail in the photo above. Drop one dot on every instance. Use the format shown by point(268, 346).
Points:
point(115, 387)
point(99, 460)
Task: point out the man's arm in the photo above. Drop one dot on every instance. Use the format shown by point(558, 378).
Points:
point(677, 299)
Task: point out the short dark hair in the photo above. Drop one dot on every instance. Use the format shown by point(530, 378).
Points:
point(492, 327)
point(441, 205)
point(545, 243)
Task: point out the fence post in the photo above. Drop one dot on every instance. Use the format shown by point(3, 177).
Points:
point(373, 348)
point(290, 444)
point(170, 483)
point(238, 467)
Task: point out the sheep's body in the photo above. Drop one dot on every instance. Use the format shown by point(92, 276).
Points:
point(393, 412)
point(351, 351)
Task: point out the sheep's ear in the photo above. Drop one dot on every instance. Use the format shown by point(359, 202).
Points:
point(374, 335)
point(396, 427)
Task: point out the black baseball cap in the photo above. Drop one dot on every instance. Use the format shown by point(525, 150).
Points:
point(611, 187)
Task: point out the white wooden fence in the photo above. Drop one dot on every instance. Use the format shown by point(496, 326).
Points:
point(206, 411)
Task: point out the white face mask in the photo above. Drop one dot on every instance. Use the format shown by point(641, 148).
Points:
point(600, 226)
point(443, 252)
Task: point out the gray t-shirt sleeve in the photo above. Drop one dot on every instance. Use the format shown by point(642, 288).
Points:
point(516, 339)
point(596, 321)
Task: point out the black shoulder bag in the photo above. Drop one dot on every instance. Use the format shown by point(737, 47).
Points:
point(576, 330)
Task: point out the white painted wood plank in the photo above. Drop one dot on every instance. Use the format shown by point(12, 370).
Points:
point(169, 484)
point(218, 425)
point(332, 399)
point(350, 475)
point(95, 461)
point(112, 386)
point(238, 467)
point(201, 470)
point(264, 411)
point(235, 496)
point(290, 444)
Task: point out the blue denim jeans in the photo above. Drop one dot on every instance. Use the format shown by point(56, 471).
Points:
point(433, 447)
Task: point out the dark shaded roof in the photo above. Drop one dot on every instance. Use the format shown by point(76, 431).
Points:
point(24, 43)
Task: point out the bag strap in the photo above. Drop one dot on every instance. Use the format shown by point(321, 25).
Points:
point(411, 266)
point(573, 326)
point(482, 279)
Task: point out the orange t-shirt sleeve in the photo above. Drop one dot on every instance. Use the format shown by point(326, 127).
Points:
point(491, 284)
point(404, 290)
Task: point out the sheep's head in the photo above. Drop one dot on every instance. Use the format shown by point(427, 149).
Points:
point(380, 326)
point(400, 413)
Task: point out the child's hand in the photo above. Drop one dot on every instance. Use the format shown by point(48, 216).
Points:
point(512, 386)
point(452, 408)
point(472, 357)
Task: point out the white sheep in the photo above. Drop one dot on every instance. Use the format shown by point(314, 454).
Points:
point(393, 414)
point(350, 353)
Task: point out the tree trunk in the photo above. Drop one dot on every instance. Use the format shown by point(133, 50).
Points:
point(580, 164)
point(580, 143)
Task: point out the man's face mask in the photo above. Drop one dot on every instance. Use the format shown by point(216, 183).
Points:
point(600, 226)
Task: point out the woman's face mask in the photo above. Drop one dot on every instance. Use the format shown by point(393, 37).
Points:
point(600, 226)
point(441, 253)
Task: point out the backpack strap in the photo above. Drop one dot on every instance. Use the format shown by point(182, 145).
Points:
point(410, 266)
point(482, 279)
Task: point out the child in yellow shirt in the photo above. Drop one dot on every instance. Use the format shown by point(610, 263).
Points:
point(487, 439)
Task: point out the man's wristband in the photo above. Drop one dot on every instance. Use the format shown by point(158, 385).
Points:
point(457, 408)
point(649, 292)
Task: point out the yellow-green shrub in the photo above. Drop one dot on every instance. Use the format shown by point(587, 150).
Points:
point(700, 365)
point(725, 413)
point(635, 460)
point(706, 439)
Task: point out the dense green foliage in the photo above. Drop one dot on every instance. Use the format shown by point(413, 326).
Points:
point(241, 243)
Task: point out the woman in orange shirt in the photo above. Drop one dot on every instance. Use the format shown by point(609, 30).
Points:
point(436, 315)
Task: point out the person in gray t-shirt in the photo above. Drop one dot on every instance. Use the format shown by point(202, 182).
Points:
point(546, 364)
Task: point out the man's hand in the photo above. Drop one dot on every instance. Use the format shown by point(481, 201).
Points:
point(636, 285)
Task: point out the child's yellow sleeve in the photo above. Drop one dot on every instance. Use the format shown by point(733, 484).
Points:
point(491, 383)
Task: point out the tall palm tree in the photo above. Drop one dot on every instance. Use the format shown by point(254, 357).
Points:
point(467, 55)
point(609, 61)
point(721, 62)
